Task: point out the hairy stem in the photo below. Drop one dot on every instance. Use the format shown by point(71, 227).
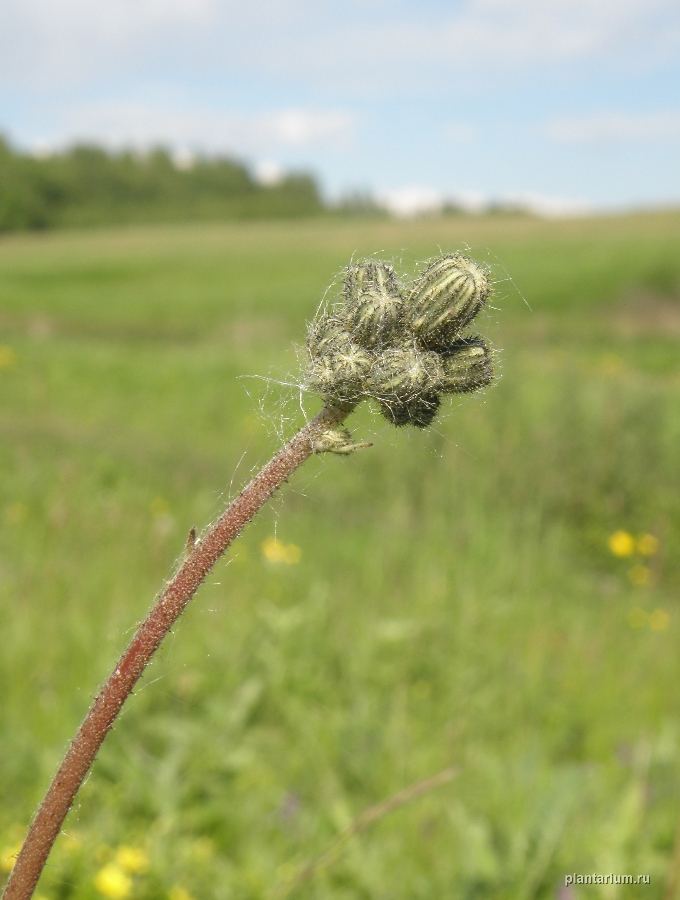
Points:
point(200, 559)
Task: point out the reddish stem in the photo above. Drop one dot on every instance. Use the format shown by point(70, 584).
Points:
point(50, 816)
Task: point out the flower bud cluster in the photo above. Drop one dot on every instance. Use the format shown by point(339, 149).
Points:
point(403, 348)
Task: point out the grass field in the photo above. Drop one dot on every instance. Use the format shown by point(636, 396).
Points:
point(500, 593)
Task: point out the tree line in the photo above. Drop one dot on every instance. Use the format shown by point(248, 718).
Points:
point(86, 185)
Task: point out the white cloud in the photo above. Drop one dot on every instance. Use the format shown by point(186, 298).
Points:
point(184, 159)
point(616, 127)
point(369, 45)
point(269, 173)
point(189, 131)
point(299, 128)
point(547, 207)
point(116, 20)
point(418, 200)
point(469, 201)
point(411, 200)
point(474, 42)
point(48, 42)
point(492, 36)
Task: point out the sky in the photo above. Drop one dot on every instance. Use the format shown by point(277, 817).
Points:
point(564, 105)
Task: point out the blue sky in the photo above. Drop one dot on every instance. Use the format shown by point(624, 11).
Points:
point(569, 104)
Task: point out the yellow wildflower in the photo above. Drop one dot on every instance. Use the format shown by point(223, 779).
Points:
point(621, 543)
point(639, 576)
point(112, 882)
point(132, 860)
point(275, 551)
point(659, 620)
point(8, 856)
point(8, 358)
point(647, 544)
point(637, 618)
point(178, 893)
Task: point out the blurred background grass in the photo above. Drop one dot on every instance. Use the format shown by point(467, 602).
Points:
point(500, 593)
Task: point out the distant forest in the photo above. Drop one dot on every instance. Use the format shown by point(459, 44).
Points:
point(85, 185)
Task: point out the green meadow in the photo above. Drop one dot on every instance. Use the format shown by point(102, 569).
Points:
point(500, 593)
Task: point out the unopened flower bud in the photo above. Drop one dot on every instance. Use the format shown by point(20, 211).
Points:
point(402, 373)
point(340, 374)
point(445, 298)
point(467, 366)
point(326, 334)
point(373, 304)
point(418, 411)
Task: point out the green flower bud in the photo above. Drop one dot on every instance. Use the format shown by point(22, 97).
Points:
point(445, 298)
point(373, 304)
point(418, 411)
point(372, 347)
point(327, 334)
point(402, 373)
point(467, 366)
point(340, 374)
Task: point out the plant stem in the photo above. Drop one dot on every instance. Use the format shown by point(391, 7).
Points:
point(170, 604)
